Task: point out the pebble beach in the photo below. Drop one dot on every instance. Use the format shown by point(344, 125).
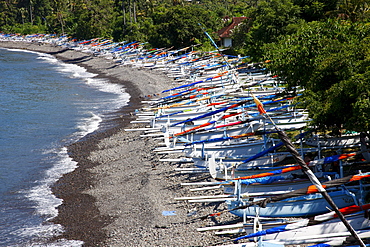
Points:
point(121, 194)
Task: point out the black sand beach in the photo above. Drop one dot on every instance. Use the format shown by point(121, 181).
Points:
point(118, 193)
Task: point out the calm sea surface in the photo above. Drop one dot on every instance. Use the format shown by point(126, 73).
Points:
point(44, 106)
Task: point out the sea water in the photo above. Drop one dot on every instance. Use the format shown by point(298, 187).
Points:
point(45, 105)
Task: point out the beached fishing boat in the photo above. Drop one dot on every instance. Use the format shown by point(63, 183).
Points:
point(219, 163)
point(334, 142)
point(303, 206)
point(324, 228)
point(263, 181)
point(225, 149)
point(225, 168)
point(294, 120)
point(303, 202)
point(214, 132)
point(334, 227)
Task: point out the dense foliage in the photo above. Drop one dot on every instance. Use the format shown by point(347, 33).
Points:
point(331, 60)
point(320, 45)
point(170, 22)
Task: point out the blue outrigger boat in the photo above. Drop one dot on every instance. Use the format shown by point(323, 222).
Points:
point(302, 206)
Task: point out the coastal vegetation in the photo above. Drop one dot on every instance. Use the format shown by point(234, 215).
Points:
point(320, 45)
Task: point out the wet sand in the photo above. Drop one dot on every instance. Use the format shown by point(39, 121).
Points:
point(120, 190)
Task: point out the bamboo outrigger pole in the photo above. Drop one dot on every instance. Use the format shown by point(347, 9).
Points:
point(214, 44)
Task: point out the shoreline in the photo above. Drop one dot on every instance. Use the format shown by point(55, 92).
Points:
point(116, 195)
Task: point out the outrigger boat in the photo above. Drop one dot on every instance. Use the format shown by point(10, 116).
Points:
point(324, 228)
point(302, 202)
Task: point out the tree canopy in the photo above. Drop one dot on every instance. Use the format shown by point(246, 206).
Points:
point(178, 26)
point(331, 61)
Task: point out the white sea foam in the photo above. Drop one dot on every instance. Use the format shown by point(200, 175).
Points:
point(40, 235)
point(74, 70)
point(102, 85)
point(87, 125)
point(47, 203)
point(43, 197)
point(22, 50)
point(47, 57)
point(121, 97)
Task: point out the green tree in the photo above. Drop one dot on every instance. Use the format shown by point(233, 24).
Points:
point(93, 19)
point(41, 9)
point(331, 61)
point(267, 21)
point(178, 26)
point(314, 10)
point(57, 20)
point(8, 13)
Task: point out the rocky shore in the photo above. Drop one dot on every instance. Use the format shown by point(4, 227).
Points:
point(120, 192)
